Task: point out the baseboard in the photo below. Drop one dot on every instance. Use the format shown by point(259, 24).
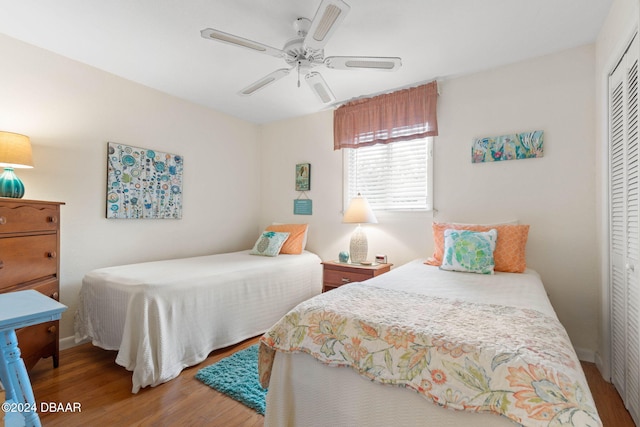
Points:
point(585, 355)
point(69, 342)
point(603, 368)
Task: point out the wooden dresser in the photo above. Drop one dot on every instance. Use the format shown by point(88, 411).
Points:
point(30, 259)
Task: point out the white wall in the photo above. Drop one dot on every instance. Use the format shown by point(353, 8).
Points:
point(71, 111)
point(614, 37)
point(239, 176)
point(554, 194)
point(402, 237)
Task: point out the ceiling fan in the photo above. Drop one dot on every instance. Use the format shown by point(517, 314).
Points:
point(306, 51)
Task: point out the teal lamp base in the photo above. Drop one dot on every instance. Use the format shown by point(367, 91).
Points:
point(10, 184)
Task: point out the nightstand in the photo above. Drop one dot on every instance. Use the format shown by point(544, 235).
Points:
point(336, 274)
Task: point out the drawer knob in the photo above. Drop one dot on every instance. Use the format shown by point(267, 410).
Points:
point(55, 296)
point(52, 255)
point(345, 280)
point(3, 220)
point(52, 329)
point(52, 219)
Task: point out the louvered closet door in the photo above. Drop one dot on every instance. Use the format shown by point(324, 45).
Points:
point(624, 157)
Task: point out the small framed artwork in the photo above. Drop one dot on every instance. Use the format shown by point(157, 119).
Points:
point(302, 207)
point(303, 177)
point(525, 145)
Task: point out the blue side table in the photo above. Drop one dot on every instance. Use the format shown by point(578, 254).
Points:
point(18, 310)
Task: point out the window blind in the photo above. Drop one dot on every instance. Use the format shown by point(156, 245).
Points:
point(391, 176)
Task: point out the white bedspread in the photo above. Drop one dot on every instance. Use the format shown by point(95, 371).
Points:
point(512, 289)
point(167, 315)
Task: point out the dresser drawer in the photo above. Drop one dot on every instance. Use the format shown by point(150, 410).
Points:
point(334, 277)
point(48, 287)
point(27, 258)
point(19, 218)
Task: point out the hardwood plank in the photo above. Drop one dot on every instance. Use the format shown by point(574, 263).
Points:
point(89, 375)
point(608, 401)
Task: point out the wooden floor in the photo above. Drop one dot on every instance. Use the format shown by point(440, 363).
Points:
point(89, 376)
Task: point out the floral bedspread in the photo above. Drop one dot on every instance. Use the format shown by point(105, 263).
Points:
point(518, 363)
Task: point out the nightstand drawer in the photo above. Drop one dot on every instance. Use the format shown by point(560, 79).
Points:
point(38, 341)
point(334, 277)
point(336, 274)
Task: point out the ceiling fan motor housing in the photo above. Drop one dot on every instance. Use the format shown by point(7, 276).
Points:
point(297, 54)
point(302, 25)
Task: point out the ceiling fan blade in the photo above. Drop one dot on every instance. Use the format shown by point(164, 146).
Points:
point(211, 34)
point(328, 18)
point(320, 87)
point(265, 81)
point(363, 63)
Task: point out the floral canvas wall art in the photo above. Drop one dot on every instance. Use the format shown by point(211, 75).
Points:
point(525, 145)
point(143, 183)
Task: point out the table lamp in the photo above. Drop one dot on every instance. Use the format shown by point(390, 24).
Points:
point(15, 152)
point(359, 212)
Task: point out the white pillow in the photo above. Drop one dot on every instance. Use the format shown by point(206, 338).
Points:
point(269, 243)
point(469, 251)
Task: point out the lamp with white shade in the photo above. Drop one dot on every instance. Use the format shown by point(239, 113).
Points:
point(15, 152)
point(359, 212)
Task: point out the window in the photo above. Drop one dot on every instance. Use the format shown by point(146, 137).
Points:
point(393, 177)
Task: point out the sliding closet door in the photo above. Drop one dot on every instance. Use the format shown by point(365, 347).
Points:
point(624, 169)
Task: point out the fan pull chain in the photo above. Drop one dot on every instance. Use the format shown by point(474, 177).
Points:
point(298, 73)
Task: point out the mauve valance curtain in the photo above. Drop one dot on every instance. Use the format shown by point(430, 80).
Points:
point(398, 116)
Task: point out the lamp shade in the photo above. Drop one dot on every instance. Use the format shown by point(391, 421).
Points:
point(359, 212)
point(15, 150)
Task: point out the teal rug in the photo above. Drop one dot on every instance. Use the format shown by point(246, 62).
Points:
point(237, 377)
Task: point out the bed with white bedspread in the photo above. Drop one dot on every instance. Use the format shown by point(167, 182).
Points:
point(399, 348)
point(164, 316)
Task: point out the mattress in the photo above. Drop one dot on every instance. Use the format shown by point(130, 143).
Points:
point(303, 391)
point(164, 316)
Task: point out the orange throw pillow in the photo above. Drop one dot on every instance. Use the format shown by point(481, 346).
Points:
point(293, 244)
point(509, 255)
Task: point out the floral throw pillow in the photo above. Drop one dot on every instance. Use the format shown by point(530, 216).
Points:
point(269, 243)
point(469, 251)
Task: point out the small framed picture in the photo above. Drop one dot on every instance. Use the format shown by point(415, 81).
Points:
point(302, 207)
point(303, 177)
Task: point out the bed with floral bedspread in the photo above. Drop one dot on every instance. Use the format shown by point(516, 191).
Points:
point(516, 362)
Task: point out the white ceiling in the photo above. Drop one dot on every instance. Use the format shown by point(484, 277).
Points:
point(157, 42)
